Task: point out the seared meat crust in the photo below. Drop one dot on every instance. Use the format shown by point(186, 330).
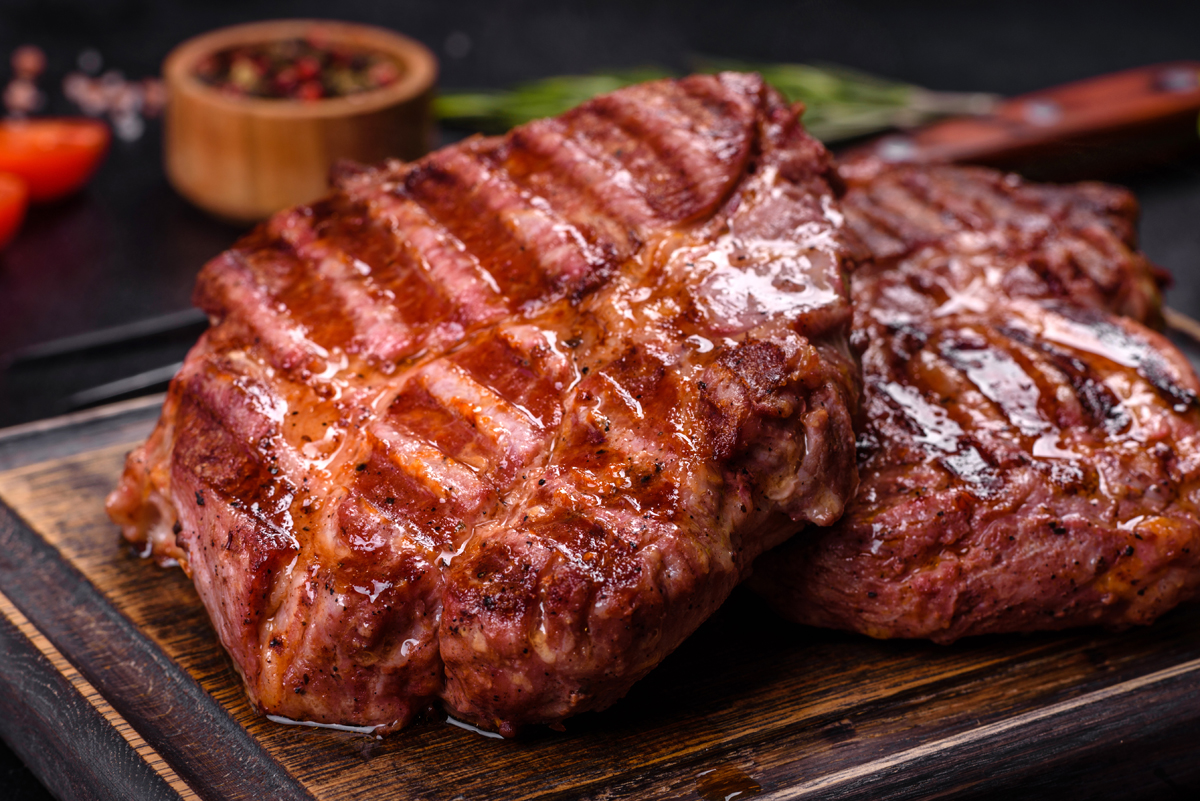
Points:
point(1030, 460)
point(503, 426)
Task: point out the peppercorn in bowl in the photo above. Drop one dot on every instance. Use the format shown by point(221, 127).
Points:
point(257, 114)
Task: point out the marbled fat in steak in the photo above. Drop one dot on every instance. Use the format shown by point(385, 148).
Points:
point(1030, 458)
point(501, 427)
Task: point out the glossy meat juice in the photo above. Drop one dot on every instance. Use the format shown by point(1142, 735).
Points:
point(501, 427)
point(1030, 458)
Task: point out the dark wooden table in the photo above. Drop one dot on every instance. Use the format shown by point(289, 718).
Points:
point(129, 247)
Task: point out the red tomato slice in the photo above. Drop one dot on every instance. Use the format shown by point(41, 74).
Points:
point(14, 197)
point(55, 156)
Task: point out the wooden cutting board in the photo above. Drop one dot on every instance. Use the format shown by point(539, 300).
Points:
point(113, 686)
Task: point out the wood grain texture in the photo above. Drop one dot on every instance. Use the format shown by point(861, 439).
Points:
point(750, 704)
point(59, 724)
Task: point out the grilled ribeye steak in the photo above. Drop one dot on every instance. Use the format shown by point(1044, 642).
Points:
point(504, 425)
point(1030, 460)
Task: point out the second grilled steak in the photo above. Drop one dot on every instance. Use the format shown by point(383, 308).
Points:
point(1030, 460)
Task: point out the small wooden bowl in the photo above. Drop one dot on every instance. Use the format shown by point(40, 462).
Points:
point(244, 158)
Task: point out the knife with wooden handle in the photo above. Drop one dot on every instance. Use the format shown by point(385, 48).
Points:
point(1088, 129)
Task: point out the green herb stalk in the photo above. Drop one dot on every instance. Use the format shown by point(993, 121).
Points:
point(840, 103)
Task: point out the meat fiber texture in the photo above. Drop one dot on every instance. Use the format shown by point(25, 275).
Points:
point(1030, 457)
point(501, 427)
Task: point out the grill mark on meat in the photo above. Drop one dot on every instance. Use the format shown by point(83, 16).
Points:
point(522, 365)
point(254, 405)
point(447, 406)
point(876, 235)
point(394, 276)
point(436, 258)
point(632, 164)
point(380, 333)
point(1098, 401)
point(1097, 335)
point(1020, 410)
point(1000, 378)
point(228, 419)
point(971, 466)
point(1112, 341)
point(377, 236)
point(431, 491)
point(445, 261)
point(728, 99)
point(990, 197)
point(1029, 409)
point(522, 243)
point(886, 231)
point(930, 425)
point(688, 174)
point(604, 571)
point(983, 201)
point(227, 289)
point(592, 190)
point(912, 217)
point(935, 431)
point(1043, 269)
point(947, 210)
point(299, 292)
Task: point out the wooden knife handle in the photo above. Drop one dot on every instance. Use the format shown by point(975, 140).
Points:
point(1087, 129)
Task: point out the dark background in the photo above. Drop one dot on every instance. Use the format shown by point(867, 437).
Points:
point(129, 248)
